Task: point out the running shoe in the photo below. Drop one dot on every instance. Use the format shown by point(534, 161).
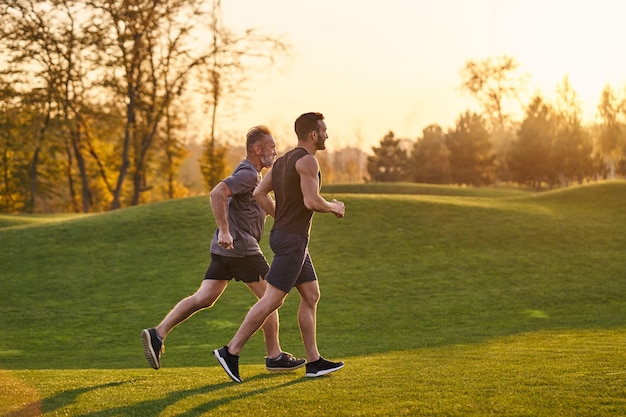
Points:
point(322, 367)
point(152, 347)
point(229, 362)
point(284, 362)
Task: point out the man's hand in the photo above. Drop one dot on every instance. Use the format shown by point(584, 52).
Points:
point(339, 208)
point(225, 240)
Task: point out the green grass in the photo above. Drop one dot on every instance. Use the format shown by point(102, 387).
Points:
point(16, 220)
point(486, 303)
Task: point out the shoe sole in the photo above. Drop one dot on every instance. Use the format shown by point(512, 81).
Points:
point(150, 354)
point(293, 368)
point(322, 372)
point(224, 365)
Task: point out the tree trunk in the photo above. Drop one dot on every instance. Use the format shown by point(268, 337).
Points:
point(137, 186)
point(129, 132)
point(82, 169)
point(30, 207)
point(6, 204)
point(70, 179)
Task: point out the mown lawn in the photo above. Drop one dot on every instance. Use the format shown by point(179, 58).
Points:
point(440, 303)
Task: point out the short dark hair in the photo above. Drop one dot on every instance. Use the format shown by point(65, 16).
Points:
point(307, 123)
point(255, 134)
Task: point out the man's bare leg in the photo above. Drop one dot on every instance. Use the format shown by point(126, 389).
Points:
point(271, 326)
point(208, 293)
point(307, 318)
point(257, 315)
point(152, 339)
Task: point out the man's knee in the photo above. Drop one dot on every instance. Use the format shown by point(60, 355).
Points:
point(208, 294)
point(203, 300)
point(273, 297)
point(310, 294)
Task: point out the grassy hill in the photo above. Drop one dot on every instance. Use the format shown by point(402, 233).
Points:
point(477, 302)
point(410, 188)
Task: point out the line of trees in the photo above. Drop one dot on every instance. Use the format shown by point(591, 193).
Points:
point(549, 147)
point(94, 97)
point(95, 107)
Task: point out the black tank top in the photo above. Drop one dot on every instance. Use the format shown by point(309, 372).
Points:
point(291, 215)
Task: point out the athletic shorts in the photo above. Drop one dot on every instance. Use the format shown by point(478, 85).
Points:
point(292, 264)
point(246, 268)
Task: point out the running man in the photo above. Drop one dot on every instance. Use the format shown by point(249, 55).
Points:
point(235, 253)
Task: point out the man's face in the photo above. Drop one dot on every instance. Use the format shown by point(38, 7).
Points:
point(268, 151)
point(321, 135)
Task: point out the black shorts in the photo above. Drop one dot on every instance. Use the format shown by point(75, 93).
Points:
point(246, 268)
point(292, 264)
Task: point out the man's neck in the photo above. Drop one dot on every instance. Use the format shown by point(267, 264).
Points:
point(308, 146)
point(255, 161)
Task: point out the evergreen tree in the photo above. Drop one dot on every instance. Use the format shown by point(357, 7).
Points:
point(389, 162)
point(530, 156)
point(430, 159)
point(472, 159)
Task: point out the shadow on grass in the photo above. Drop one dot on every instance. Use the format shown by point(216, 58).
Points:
point(211, 405)
point(60, 400)
point(151, 407)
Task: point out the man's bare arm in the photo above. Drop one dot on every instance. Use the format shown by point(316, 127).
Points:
point(262, 194)
point(219, 205)
point(308, 168)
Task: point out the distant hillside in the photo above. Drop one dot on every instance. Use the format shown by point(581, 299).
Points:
point(427, 189)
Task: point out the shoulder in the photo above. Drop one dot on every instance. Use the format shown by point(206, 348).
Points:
point(243, 178)
point(296, 153)
point(245, 170)
point(222, 188)
point(307, 164)
point(245, 167)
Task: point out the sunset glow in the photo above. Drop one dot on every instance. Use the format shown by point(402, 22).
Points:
point(376, 66)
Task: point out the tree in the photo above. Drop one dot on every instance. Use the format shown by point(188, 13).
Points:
point(150, 43)
point(90, 61)
point(430, 158)
point(213, 163)
point(50, 44)
point(611, 130)
point(174, 153)
point(389, 162)
point(225, 72)
point(573, 147)
point(530, 157)
point(501, 141)
point(493, 82)
point(34, 38)
point(13, 164)
point(472, 160)
point(156, 46)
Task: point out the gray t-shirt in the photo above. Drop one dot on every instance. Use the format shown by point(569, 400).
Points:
point(246, 219)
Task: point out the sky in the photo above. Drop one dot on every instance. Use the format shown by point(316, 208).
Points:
point(374, 66)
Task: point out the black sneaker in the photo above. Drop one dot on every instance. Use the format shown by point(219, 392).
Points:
point(322, 367)
point(229, 362)
point(284, 362)
point(152, 347)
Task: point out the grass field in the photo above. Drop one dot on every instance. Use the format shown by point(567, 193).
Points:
point(440, 300)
